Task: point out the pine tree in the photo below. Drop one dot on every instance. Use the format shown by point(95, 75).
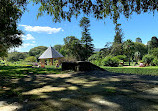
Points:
point(119, 35)
point(86, 38)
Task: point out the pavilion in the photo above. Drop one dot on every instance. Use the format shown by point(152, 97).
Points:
point(49, 55)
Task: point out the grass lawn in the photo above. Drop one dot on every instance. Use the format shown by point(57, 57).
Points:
point(151, 70)
point(21, 71)
point(44, 89)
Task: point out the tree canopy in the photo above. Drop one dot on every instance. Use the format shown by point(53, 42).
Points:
point(100, 9)
point(86, 38)
point(37, 51)
point(10, 13)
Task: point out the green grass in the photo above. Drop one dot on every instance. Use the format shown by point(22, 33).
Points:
point(152, 70)
point(20, 71)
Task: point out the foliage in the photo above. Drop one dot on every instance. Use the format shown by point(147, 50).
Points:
point(97, 62)
point(128, 47)
point(95, 56)
point(10, 13)
point(58, 47)
point(30, 59)
point(155, 61)
point(116, 49)
point(147, 59)
point(96, 59)
point(64, 51)
point(154, 52)
point(137, 56)
point(74, 47)
point(135, 70)
point(154, 42)
point(119, 35)
point(122, 57)
point(107, 50)
point(37, 51)
point(139, 40)
point(86, 38)
point(110, 61)
point(63, 9)
point(16, 56)
point(141, 48)
point(68, 59)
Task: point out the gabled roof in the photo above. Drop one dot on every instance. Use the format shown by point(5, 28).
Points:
point(50, 53)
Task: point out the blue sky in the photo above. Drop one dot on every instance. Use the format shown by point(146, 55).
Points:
point(44, 32)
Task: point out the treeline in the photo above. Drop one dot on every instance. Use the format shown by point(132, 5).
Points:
point(119, 52)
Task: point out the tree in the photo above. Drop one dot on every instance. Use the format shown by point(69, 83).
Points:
point(154, 42)
point(37, 51)
point(154, 52)
point(128, 49)
point(58, 47)
point(141, 48)
point(147, 59)
point(66, 9)
point(74, 47)
point(137, 56)
point(86, 38)
point(31, 59)
point(10, 13)
point(119, 35)
point(16, 56)
point(107, 50)
point(139, 40)
point(116, 49)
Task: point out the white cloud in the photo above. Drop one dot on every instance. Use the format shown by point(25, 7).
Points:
point(23, 48)
point(25, 45)
point(39, 29)
point(33, 41)
point(28, 37)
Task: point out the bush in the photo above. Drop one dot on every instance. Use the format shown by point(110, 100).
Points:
point(122, 57)
point(155, 61)
point(97, 62)
point(111, 61)
point(147, 59)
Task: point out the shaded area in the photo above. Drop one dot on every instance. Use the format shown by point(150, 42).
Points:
point(82, 91)
point(80, 66)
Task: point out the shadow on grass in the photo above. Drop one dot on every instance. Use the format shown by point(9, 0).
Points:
point(83, 91)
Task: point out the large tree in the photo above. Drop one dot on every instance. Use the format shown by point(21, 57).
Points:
point(58, 47)
point(154, 42)
point(139, 40)
point(86, 38)
point(37, 51)
point(129, 49)
point(10, 13)
point(117, 48)
point(100, 9)
point(118, 38)
point(74, 47)
point(141, 48)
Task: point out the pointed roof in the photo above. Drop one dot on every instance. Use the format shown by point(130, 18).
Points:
point(50, 53)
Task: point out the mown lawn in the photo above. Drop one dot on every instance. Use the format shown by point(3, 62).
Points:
point(21, 71)
point(152, 70)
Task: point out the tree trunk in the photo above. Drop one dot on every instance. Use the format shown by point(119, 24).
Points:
point(129, 61)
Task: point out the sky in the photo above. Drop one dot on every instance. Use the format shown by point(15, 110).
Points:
point(44, 32)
